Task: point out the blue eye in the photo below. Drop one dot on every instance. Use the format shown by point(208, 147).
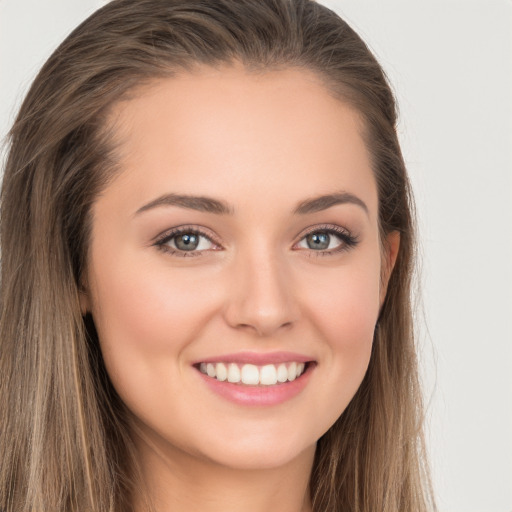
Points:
point(328, 240)
point(321, 241)
point(185, 242)
point(325, 240)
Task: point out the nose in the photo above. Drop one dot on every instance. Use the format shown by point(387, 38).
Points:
point(261, 296)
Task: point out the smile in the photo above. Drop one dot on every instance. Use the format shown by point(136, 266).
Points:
point(256, 379)
point(253, 375)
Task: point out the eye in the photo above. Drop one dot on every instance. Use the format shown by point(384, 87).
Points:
point(185, 242)
point(320, 241)
point(328, 240)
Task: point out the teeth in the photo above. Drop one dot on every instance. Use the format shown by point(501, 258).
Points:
point(282, 373)
point(252, 375)
point(210, 370)
point(233, 373)
point(292, 371)
point(221, 371)
point(268, 375)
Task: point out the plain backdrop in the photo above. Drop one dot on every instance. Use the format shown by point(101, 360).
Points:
point(450, 63)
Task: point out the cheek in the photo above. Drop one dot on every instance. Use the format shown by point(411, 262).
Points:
point(145, 316)
point(344, 309)
point(350, 329)
point(345, 306)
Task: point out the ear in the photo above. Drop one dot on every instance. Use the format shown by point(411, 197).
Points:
point(389, 255)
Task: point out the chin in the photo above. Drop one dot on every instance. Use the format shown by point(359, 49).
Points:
point(264, 452)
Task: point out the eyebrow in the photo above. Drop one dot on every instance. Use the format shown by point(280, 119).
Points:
point(317, 204)
point(199, 203)
point(211, 205)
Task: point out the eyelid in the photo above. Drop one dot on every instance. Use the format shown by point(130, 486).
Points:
point(323, 227)
point(160, 240)
point(348, 239)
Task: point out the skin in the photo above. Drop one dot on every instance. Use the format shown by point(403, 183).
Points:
point(262, 143)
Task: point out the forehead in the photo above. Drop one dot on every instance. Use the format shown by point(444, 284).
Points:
point(222, 131)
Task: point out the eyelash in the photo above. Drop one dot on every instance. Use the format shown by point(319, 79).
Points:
point(348, 241)
point(166, 237)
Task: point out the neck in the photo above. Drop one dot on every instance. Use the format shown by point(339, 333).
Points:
point(176, 480)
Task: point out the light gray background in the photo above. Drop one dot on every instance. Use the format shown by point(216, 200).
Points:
point(450, 62)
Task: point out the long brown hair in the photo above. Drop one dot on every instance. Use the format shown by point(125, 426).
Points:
point(64, 442)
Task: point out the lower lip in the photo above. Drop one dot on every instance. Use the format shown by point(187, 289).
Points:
point(258, 395)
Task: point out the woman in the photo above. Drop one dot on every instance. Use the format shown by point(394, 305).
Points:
point(207, 250)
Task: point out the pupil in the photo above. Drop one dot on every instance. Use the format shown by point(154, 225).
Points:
point(187, 242)
point(318, 241)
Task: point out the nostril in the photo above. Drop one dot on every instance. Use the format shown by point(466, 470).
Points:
point(261, 300)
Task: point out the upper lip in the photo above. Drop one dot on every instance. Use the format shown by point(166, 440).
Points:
point(257, 358)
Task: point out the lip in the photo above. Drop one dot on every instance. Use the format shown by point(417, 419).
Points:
point(258, 395)
point(257, 358)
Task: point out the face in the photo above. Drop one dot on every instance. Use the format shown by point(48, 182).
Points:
point(235, 264)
